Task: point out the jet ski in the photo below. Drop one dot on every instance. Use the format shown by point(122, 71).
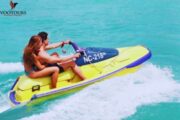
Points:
point(97, 64)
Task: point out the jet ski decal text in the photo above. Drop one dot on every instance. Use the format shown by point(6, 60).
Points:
point(94, 57)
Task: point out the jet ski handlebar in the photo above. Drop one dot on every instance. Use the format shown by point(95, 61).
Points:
point(76, 47)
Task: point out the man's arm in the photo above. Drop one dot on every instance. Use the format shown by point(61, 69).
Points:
point(55, 45)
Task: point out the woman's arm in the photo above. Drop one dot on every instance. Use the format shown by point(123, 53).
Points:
point(37, 63)
point(53, 59)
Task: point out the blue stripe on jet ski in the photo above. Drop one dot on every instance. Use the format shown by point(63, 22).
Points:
point(15, 83)
point(13, 99)
point(140, 61)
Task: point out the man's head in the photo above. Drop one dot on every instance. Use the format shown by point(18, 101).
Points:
point(44, 37)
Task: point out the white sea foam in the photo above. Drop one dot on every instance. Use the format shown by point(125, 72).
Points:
point(115, 98)
point(4, 100)
point(10, 67)
point(4, 103)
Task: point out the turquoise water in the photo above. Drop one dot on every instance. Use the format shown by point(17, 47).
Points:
point(151, 93)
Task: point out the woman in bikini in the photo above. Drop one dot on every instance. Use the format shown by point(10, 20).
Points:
point(33, 68)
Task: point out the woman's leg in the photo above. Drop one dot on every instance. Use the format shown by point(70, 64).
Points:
point(74, 67)
point(53, 71)
point(54, 78)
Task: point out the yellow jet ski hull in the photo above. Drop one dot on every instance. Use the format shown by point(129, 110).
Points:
point(26, 89)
